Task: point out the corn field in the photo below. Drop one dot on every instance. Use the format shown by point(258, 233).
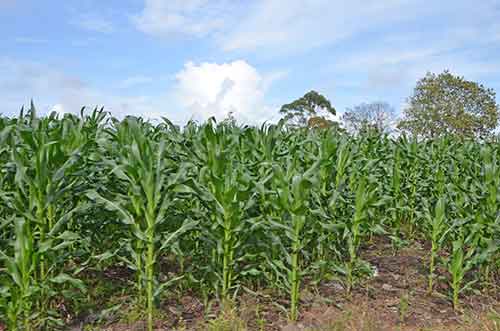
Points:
point(220, 209)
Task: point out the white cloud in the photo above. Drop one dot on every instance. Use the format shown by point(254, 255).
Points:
point(30, 40)
point(199, 91)
point(188, 17)
point(59, 108)
point(211, 89)
point(397, 64)
point(54, 90)
point(278, 26)
point(300, 25)
point(94, 23)
point(135, 81)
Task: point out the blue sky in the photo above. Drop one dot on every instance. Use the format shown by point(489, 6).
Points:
point(196, 58)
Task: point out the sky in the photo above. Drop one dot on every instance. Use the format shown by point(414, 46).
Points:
point(193, 59)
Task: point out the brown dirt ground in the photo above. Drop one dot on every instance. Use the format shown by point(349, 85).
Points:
point(375, 304)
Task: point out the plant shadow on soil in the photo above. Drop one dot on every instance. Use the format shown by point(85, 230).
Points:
point(395, 298)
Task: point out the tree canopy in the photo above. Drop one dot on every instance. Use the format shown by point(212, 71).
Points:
point(449, 104)
point(377, 116)
point(301, 111)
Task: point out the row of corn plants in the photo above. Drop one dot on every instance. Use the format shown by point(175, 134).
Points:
point(230, 209)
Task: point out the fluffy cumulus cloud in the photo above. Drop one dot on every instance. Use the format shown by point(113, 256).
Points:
point(211, 89)
point(199, 91)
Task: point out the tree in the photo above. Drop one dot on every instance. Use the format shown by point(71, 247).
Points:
point(230, 120)
point(320, 122)
point(449, 104)
point(311, 105)
point(376, 116)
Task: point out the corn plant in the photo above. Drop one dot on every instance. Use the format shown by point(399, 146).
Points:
point(489, 219)
point(19, 291)
point(412, 155)
point(148, 183)
point(292, 191)
point(364, 199)
point(6, 179)
point(44, 165)
point(269, 207)
point(226, 189)
point(397, 194)
point(437, 229)
point(470, 249)
point(457, 267)
point(334, 158)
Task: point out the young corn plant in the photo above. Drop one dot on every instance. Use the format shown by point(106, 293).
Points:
point(20, 290)
point(334, 158)
point(148, 183)
point(412, 156)
point(396, 171)
point(467, 254)
point(6, 181)
point(227, 192)
point(365, 198)
point(292, 192)
point(300, 200)
point(489, 220)
point(44, 167)
point(437, 229)
point(459, 264)
point(471, 248)
point(397, 194)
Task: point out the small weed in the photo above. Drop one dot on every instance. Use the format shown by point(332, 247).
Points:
point(404, 304)
point(228, 320)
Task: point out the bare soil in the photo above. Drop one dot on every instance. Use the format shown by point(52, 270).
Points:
point(395, 298)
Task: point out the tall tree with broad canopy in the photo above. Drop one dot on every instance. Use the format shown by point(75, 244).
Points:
point(448, 104)
point(308, 110)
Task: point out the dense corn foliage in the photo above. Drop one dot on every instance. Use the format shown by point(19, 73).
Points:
point(229, 209)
